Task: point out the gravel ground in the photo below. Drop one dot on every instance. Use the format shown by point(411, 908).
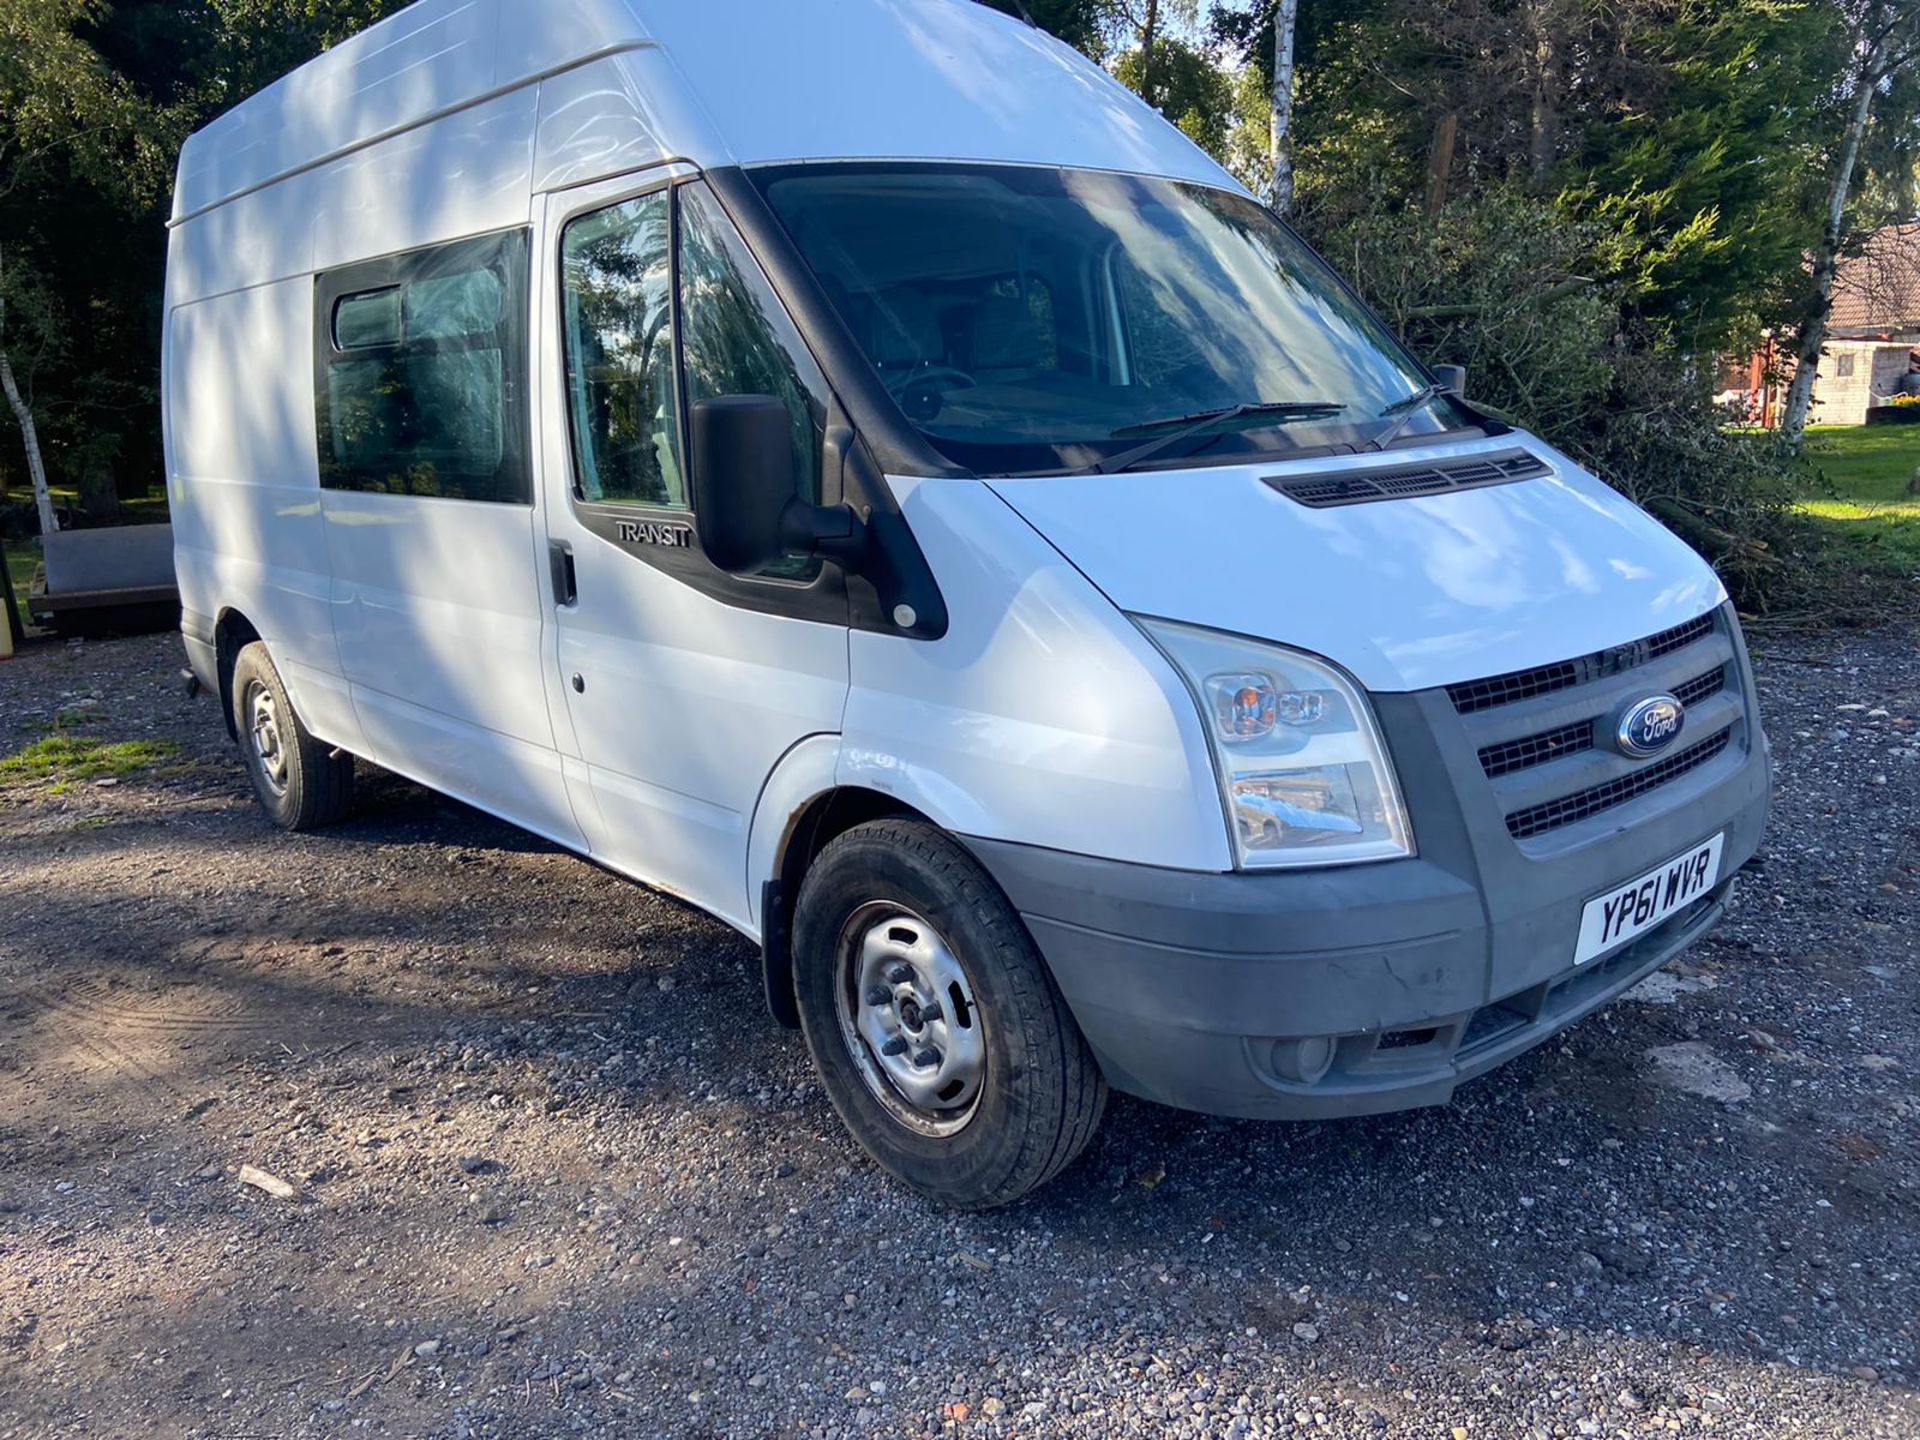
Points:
point(554, 1174)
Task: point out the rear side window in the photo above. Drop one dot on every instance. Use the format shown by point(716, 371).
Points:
point(421, 373)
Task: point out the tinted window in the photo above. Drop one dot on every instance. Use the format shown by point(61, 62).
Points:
point(369, 319)
point(421, 389)
point(738, 339)
point(621, 386)
point(451, 306)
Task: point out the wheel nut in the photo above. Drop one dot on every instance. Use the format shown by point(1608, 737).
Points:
point(900, 975)
point(879, 995)
point(927, 1059)
point(930, 1012)
point(895, 1046)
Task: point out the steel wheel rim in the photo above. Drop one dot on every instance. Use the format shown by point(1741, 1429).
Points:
point(264, 734)
point(909, 1019)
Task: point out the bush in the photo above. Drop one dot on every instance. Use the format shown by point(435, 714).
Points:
point(1502, 286)
point(1732, 495)
point(1508, 286)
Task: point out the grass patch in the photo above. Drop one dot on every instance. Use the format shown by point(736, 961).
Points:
point(1868, 513)
point(67, 759)
point(67, 720)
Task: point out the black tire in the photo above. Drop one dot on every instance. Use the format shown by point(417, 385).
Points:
point(302, 783)
point(1040, 1097)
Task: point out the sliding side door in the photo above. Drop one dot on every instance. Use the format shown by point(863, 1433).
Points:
point(433, 535)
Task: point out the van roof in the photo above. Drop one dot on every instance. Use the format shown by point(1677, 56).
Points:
point(765, 80)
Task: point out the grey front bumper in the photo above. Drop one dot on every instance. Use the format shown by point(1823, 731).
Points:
point(1194, 988)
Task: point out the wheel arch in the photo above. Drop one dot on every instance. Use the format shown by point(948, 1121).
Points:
point(232, 633)
point(802, 810)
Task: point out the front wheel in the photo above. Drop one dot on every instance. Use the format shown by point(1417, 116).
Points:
point(939, 1035)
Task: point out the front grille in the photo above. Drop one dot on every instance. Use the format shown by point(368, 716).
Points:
point(1405, 482)
point(1512, 755)
point(1529, 750)
point(1475, 695)
point(1701, 686)
point(1537, 819)
point(1544, 737)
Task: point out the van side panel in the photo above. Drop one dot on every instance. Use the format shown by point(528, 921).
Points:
point(1042, 716)
point(243, 484)
point(264, 237)
point(464, 175)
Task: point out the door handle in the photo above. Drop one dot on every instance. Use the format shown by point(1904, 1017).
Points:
point(566, 584)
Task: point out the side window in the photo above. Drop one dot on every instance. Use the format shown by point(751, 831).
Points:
point(737, 338)
point(621, 389)
point(421, 379)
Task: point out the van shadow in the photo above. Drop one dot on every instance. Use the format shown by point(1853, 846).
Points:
point(389, 809)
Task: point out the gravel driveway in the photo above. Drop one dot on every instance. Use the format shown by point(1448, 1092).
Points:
point(555, 1174)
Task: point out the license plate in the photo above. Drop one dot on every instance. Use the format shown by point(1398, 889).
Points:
point(1632, 909)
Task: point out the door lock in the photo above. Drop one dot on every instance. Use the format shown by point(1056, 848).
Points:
point(579, 684)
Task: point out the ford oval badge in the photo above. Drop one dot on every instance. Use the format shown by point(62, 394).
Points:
point(1649, 726)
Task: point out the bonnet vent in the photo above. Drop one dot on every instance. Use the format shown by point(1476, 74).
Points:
point(1402, 482)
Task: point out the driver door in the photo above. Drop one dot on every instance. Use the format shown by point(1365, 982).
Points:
point(681, 685)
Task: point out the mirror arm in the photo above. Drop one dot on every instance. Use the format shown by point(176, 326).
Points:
point(834, 531)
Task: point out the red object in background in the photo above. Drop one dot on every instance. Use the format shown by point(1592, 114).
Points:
point(1759, 386)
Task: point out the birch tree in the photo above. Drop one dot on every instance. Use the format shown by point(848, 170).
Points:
point(23, 417)
point(1280, 130)
point(1883, 44)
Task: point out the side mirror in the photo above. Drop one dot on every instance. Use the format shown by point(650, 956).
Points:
point(1452, 379)
point(747, 507)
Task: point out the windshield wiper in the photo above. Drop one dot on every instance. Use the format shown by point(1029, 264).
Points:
point(1405, 410)
point(1200, 421)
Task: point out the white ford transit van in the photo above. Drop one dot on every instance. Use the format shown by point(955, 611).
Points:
point(849, 464)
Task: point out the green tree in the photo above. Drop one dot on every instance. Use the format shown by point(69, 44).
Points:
point(95, 99)
point(1684, 129)
point(1193, 91)
point(67, 119)
point(1081, 23)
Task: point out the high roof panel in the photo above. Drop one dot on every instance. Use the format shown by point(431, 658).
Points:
point(434, 56)
point(770, 79)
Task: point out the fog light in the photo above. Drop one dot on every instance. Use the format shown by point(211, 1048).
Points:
point(1304, 1061)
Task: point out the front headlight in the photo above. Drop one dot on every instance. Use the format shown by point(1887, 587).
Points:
point(1304, 774)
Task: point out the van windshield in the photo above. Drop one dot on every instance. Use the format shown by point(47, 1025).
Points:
point(1031, 320)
